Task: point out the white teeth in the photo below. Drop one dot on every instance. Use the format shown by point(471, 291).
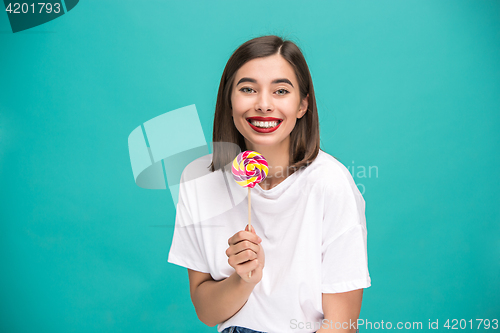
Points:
point(264, 124)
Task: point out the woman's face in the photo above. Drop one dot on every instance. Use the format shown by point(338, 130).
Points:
point(266, 101)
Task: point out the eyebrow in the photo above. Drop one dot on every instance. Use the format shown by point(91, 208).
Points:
point(247, 79)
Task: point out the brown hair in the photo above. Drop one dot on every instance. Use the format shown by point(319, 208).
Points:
point(304, 138)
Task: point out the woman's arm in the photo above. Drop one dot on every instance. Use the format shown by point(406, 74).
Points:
point(217, 301)
point(341, 308)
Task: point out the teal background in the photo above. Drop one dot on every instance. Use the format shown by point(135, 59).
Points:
point(411, 87)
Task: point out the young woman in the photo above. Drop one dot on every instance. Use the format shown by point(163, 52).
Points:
point(306, 249)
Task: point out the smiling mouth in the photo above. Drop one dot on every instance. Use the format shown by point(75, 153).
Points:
point(264, 124)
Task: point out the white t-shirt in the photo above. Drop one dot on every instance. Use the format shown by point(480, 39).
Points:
point(313, 232)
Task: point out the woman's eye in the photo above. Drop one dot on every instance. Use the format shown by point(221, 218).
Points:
point(282, 91)
point(244, 89)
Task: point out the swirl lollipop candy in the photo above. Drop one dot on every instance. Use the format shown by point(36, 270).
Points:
point(249, 169)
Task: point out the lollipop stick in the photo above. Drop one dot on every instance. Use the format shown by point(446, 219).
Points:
point(249, 209)
point(249, 218)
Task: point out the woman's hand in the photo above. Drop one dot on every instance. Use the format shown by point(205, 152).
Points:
point(245, 255)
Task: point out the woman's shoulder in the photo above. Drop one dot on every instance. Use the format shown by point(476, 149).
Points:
point(327, 167)
point(331, 174)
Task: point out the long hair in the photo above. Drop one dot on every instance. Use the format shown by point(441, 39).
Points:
point(304, 138)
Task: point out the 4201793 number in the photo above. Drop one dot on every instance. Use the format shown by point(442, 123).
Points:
point(463, 324)
point(24, 8)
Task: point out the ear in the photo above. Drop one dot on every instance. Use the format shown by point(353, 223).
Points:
point(303, 107)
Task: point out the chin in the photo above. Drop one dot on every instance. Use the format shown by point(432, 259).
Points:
point(268, 142)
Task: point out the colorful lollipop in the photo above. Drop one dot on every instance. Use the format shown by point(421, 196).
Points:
point(249, 169)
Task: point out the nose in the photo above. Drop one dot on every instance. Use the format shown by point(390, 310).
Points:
point(264, 103)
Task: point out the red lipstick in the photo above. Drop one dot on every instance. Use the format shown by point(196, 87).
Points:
point(264, 118)
point(264, 130)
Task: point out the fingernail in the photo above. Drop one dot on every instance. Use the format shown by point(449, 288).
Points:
point(260, 239)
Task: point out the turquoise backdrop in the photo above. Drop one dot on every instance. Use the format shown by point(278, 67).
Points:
point(409, 88)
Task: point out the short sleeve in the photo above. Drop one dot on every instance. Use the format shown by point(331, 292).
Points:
point(186, 247)
point(344, 263)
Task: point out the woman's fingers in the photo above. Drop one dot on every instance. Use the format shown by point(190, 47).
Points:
point(242, 235)
point(245, 268)
point(242, 246)
point(242, 258)
point(245, 254)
